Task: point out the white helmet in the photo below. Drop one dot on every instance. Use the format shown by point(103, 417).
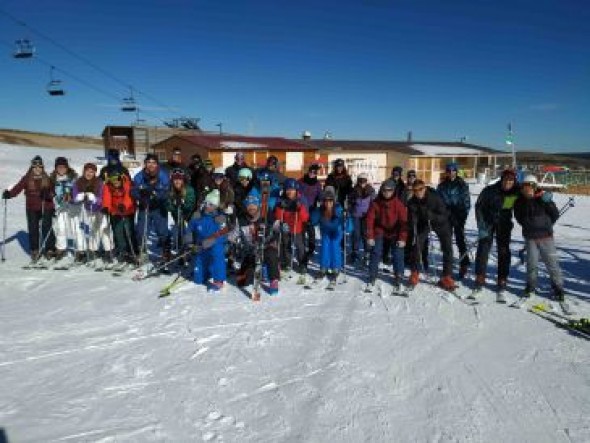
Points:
point(530, 179)
point(220, 171)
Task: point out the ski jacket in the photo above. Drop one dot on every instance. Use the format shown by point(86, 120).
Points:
point(360, 200)
point(83, 186)
point(311, 189)
point(494, 206)
point(292, 212)
point(331, 227)
point(387, 218)
point(535, 216)
point(184, 200)
point(113, 198)
point(209, 226)
point(342, 184)
point(226, 195)
point(63, 186)
point(430, 212)
point(276, 178)
point(245, 232)
point(240, 194)
point(150, 192)
point(112, 169)
point(38, 190)
point(455, 194)
point(231, 172)
point(400, 188)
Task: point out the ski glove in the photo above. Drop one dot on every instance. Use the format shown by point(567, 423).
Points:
point(547, 197)
point(401, 244)
point(229, 210)
point(91, 197)
point(6, 194)
point(208, 242)
point(79, 198)
point(371, 242)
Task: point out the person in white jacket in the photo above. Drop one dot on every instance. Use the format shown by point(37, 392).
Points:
point(63, 178)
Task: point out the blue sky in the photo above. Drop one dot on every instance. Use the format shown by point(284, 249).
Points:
point(367, 69)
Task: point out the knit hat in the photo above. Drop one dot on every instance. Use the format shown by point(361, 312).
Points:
point(363, 176)
point(452, 166)
point(113, 155)
point(212, 198)
point(37, 161)
point(329, 193)
point(290, 183)
point(314, 167)
point(252, 199)
point(149, 157)
point(509, 173)
point(388, 184)
point(61, 161)
point(90, 166)
point(178, 173)
point(338, 162)
point(530, 179)
point(397, 170)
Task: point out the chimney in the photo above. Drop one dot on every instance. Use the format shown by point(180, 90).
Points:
point(409, 136)
point(306, 135)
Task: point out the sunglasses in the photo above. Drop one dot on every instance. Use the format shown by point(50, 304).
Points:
point(37, 164)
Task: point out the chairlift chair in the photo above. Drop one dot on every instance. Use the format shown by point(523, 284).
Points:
point(128, 105)
point(24, 49)
point(54, 87)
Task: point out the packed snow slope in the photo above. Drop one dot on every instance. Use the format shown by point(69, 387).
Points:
point(85, 356)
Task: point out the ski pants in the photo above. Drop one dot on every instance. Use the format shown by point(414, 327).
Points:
point(484, 245)
point(397, 258)
point(458, 228)
point(543, 248)
point(64, 227)
point(409, 248)
point(210, 263)
point(359, 235)
point(125, 242)
point(94, 230)
point(310, 240)
point(288, 242)
point(446, 247)
point(271, 261)
point(157, 221)
point(331, 254)
point(43, 219)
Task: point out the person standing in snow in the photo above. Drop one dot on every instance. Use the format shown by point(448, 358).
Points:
point(427, 212)
point(242, 190)
point(341, 181)
point(39, 206)
point(455, 193)
point(232, 172)
point(290, 215)
point(87, 196)
point(360, 198)
point(272, 168)
point(400, 186)
point(180, 204)
point(209, 230)
point(493, 213)
point(387, 218)
point(150, 191)
point(63, 178)
point(310, 189)
point(536, 212)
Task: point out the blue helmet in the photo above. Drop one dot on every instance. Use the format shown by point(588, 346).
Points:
point(452, 166)
point(252, 199)
point(290, 183)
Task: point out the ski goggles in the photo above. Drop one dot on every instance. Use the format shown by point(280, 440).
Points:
point(37, 164)
point(113, 178)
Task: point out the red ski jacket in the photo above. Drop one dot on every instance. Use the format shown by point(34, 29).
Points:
point(387, 218)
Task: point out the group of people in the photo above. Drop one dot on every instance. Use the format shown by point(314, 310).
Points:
point(242, 217)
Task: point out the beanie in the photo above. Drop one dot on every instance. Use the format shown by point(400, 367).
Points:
point(90, 166)
point(252, 199)
point(388, 184)
point(37, 161)
point(61, 161)
point(212, 198)
point(149, 157)
point(329, 193)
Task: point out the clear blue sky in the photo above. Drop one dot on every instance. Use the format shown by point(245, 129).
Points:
point(366, 69)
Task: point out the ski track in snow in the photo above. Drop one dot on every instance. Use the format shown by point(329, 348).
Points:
point(85, 356)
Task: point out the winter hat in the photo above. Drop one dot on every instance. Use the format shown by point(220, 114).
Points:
point(290, 183)
point(212, 198)
point(272, 161)
point(329, 193)
point(61, 161)
point(509, 173)
point(388, 184)
point(264, 176)
point(338, 162)
point(89, 166)
point(178, 173)
point(37, 161)
point(314, 167)
point(529, 179)
point(149, 157)
point(245, 173)
point(252, 199)
point(112, 155)
point(219, 172)
point(452, 166)
point(363, 176)
point(397, 170)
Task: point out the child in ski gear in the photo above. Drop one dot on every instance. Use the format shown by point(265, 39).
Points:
point(63, 178)
point(94, 228)
point(387, 218)
point(493, 213)
point(330, 218)
point(242, 190)
point(209, 234)
point(39, 206)
point(427, 212)
point(536, 212)
point(454, 191)
point(340, 180)
point(249, 231)
point(232, 172)
point(290, 216)
point(150, 191)
point(120, 207)
point(311, 189)
point(361, 197)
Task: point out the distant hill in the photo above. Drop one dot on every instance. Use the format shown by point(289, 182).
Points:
point(571, 160)
point(41, 139)
point(577, 154)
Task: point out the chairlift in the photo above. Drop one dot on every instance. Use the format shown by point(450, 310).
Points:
point(128, 103)
point(24, 49)
point(54, 87)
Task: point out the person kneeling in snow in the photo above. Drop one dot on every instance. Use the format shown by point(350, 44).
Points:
point(209, 231)
point(249, 231)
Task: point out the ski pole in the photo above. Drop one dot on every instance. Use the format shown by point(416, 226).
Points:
point(129, 240)
point(155, 270)
point(431, 253)
point(293, 242)
point(344, 278)
point(4, 230)
point(569, 204)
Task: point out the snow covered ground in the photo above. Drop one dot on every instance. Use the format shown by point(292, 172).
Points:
point(85, 356)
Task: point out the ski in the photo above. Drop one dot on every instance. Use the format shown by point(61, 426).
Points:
point(261, 238)
point(167, 290)
point(331, 285)
point(580, 328)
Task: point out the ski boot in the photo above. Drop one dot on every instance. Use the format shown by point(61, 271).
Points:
point(215, 287)
point(414, 279)
point(501, 291)
point(273, 288)
point(447, 283)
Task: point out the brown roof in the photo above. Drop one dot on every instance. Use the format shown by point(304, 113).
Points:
point(225, 142)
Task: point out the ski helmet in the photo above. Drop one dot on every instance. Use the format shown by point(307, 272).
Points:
point(245, 173)
point(530, 179)
point(290, 183)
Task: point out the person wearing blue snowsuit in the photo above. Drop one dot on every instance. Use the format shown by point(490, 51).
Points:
point(454, 192)
point(150, 190)
point(330, 218)
point(209, 235)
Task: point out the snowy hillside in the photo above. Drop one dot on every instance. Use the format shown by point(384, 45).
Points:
point(85, 356)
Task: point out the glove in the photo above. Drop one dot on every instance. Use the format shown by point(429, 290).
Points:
point(79, 198)
point(208, 242)
point(6, 194)
point(483, 233)
point(371, 242)
point(547, 197)
point(285, 228)
point(121, 208)
point(91, 197)
point(401, 244)
point(229, 210)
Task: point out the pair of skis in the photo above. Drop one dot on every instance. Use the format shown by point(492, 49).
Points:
point(579, 327)
point(261, 240)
